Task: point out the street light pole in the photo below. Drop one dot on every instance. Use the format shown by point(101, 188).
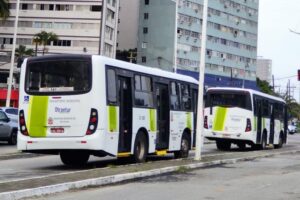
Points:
point(199, 129)
point(12, 61)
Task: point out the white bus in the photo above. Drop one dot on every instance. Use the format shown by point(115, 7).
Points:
point(77, 106)
point(242, 116)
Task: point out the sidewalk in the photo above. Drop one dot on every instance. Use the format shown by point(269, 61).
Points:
point(120, 173)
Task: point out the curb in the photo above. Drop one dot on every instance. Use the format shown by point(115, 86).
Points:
point(109, 180)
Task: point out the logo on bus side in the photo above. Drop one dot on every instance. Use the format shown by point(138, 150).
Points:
point(26, 99)
point(62, 110)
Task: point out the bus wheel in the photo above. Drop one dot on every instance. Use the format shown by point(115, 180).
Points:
point(242, 145)
point(223, 145)
point(280, 142)
point(74, 158)
point(140, 148)
point(263, 144)
point(184, 148)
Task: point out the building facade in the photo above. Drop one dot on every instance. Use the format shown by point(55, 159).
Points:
point(264, 69)
point(169, 37)
point(78, 25)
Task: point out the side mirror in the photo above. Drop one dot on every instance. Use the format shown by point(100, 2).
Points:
point(7, 120)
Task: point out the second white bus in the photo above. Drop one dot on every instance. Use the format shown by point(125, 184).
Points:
point(244, 117)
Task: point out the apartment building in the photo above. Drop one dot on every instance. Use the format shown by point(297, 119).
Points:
point(78, 25)
point(169, 37)
point(264, 69)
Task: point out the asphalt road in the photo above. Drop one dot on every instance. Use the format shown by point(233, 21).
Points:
point(24, 168)
point(273, 178)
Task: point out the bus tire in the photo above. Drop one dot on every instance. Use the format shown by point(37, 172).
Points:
point(140, 150)
point(223, 145)
point(74, 158)
point(263, 144)
point(280, 142)
point(13, 137)
point(241, 145)
point(184, 148)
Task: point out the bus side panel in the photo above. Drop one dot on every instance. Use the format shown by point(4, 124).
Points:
point(144, 118)
point(277, 129)
point(179, 121)
point(112, 130)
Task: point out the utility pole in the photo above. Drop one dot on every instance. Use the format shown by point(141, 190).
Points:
point(273, 83)
point(200, 118)
point(12, 61)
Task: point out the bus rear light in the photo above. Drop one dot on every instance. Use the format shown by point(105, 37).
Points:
point(22, 123)
point(205, 122)
point(248, 126)
point(93, 122)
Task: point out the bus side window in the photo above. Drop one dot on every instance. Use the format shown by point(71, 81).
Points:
point(186, 97)
point(111, 87)
point(175, 105)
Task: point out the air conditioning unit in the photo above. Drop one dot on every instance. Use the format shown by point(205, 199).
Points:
point(179, 35)
point(181, 22)
point(238, 10)
point(2, 46)
point(190, 23)
point(225, 6)
point(195, 40)
point(187, 38)
point(185, 52)
point(209, 56)
point(196, 10)
point(209, 15)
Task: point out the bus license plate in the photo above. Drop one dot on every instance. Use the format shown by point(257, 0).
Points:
point(57, 130)
point(226, 135)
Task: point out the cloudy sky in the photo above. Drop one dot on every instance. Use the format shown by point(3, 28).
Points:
point(277, 42)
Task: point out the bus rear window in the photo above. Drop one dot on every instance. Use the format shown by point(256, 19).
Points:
point(240, 100)
point(59, 76)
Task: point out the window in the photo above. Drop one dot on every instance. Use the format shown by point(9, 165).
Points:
point(143, 91)
point(95, 8)
point(145, 30)
point(144, 45)
point(228, 99)
point(186, 97)
point(111, 86)
point(66, 43)
point(24, 6)
point(146, 15)
point(144, 59)
point(175, 104)
point(265, 108)
point(146, 2)
point(58, 76)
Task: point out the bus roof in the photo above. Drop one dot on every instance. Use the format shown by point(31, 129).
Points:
point(147, 70)
point(247, 90)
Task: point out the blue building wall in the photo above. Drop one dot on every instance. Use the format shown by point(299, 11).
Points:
point(211, 80)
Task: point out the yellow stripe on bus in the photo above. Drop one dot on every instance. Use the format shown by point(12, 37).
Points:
point(220, 117)
point(161, 152)
point(124, 154)
point(152, 117)
point(37, 116)
point(112, 119)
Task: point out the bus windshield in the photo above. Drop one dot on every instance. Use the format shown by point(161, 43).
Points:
point(58, 76)
point(229, 99)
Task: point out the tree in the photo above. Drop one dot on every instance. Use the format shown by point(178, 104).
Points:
point(4, 9)
point(44, 38)
point(127, 55)
point(265, 87)
point(22, 51)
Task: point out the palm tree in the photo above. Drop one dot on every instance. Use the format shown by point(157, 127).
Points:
point(4, 9)
point(44, 38)
point(22, 51)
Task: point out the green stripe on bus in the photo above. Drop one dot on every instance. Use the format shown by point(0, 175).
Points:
point(189, 120)
point(37, 116)
point(152, 116)
point(219, 121)
point(112, 118)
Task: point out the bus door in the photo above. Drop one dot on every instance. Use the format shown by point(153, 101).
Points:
point(163, 116)
point(195, 103)
point(259, 118)
point(125, 123)
point(271, 139)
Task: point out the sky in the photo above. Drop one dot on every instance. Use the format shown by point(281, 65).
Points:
point(278, 43)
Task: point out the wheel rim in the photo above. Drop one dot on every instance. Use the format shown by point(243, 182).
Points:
point(140, 150)
point(184, 146)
